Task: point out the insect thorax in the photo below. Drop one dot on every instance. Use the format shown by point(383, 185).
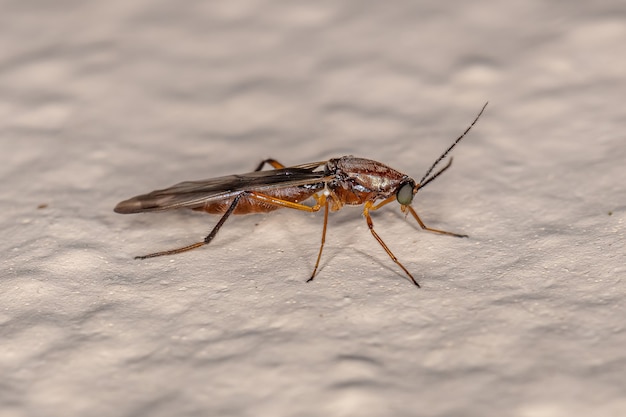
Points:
point(358, 180)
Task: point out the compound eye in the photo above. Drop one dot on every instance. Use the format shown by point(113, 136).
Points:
point(405, 194)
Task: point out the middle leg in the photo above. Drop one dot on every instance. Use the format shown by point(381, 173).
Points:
point(270, 161)
point(321, 201)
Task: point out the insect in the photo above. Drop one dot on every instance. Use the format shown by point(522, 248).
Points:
point(331, 184)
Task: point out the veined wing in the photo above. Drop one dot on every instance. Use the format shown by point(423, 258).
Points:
point(192, 194)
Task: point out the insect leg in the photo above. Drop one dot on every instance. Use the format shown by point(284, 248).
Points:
point(423, 226)
point(274, 163)
point(274, 201)
point(320, 201)
point(366, 212)
point(382, 203)
point(324, 201)
point(206, 240)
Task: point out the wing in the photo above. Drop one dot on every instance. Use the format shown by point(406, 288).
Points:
point(192, 194)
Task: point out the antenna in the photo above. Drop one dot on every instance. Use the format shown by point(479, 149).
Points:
point(443, 155)
point(438, 173)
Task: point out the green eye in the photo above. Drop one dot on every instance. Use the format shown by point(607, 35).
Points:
point(405, 193)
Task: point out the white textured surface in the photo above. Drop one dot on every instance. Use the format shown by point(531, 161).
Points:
point(102, 101)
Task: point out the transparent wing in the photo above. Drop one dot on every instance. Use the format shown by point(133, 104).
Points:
point(192, 194)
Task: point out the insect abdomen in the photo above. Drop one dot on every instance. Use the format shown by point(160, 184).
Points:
point(248, 205)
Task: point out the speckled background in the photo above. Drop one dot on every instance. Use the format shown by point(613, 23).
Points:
point(100, 101)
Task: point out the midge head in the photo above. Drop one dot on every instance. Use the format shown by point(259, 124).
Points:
point(406, 191)
point(409, 188)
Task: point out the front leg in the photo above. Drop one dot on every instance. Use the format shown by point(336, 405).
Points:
point(366, 212)
point(430, 229)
